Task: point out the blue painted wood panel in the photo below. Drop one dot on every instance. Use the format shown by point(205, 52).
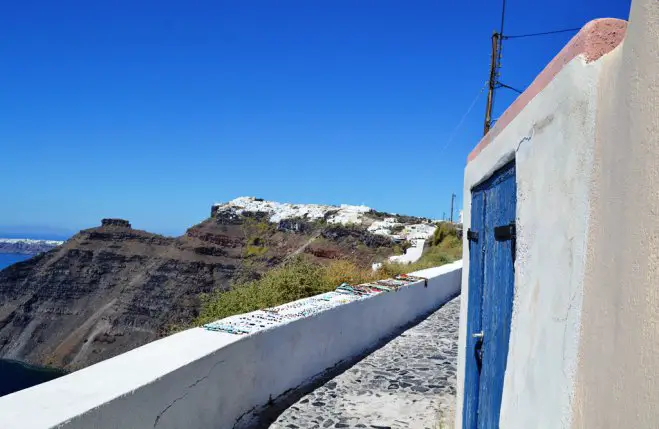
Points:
point(498, 292)
point(475, 298)
point(495, 276)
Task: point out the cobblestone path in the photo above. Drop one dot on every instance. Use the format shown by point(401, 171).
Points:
point(408, 383)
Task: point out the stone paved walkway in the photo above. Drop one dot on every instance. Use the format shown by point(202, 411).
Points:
point(408, 383)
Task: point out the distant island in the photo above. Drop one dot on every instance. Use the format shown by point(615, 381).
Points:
point(27, 246)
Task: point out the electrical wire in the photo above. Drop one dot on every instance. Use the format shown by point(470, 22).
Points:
point(503, 85)
point(519, 36)
point(497, 65)
point(500, 39)
point(503, 16)
point(457, 127)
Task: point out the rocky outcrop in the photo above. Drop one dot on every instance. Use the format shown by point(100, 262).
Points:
point(115, 222)
point(103, 292)
point(339, 232)
point(113, 288)
point(294, 225)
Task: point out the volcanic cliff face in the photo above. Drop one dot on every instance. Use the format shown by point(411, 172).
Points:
point(113, 288)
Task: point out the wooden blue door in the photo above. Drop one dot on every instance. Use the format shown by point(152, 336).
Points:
point(490, 302)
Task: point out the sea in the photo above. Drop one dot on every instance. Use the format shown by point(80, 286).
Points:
point(15, 375)
point(7, 259)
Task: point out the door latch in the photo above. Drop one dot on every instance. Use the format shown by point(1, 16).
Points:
point(478, 335)
point(472, 235)
point(505, 232)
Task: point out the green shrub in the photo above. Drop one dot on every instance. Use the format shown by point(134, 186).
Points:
point(447, 251)
point(255, 251)
point(443, 231)
point(294, 280)
point(300, 278)
point(345, 271)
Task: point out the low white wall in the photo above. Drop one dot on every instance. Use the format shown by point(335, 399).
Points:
point(202, 379)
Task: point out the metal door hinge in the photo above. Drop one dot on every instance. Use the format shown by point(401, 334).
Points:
point(472, 235)
point(478, 349)
point(505, 232)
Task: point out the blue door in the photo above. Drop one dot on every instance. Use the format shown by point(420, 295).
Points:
point(490, 302)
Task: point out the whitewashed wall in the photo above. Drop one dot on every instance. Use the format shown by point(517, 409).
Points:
point(552, 140)
point(201, 379)
point(618, 371)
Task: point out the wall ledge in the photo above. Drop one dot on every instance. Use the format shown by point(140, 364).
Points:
point(596, 39)
point(199, 379)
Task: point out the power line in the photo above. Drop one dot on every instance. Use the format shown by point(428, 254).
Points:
point(519, 36)
point(495, 64)
point(503, 17)
point(497, 67)
point(457, 127)
point(503, 85)
point(502, 38)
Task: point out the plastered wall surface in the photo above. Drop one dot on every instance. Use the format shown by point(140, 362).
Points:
point(202, 379)
point(554, 162)
point(618, 371)
point(552, 141)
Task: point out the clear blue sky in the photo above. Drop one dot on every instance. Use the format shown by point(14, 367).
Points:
point(153, 110)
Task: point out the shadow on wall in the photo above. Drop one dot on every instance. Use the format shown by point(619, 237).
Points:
point(266, 417)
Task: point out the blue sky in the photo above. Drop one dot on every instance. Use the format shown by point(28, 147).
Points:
point(153, 110)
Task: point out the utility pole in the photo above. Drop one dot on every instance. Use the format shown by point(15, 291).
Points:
point(495, 64)
point(452, 199)
point(444, 216)
point(494, 71)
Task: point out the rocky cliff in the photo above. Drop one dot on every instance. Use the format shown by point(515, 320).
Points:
point(113, 288)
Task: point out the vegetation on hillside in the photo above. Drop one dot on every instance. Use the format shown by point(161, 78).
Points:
point(444, 247)
point(300, 278)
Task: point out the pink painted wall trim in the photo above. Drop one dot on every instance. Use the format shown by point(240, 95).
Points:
point(595, 39)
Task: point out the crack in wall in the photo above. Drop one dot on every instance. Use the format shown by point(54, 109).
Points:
point(194, 384)
point(526, 138)
point(537, 126)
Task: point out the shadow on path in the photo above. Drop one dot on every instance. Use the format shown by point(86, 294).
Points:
point(401, 363)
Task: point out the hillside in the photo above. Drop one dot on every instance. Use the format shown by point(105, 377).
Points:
point(113, 288)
